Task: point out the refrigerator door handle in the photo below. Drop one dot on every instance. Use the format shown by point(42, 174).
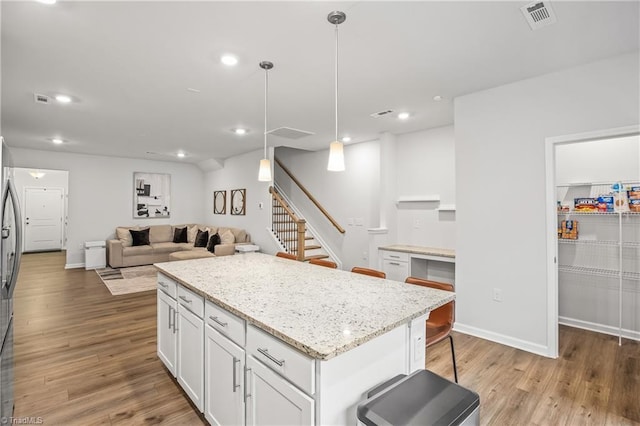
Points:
point(11, 190)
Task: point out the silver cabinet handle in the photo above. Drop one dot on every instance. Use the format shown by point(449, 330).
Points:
point(266, 353)
point(235, 374)
point(163, 285)
point(185, 299)
point(247, 379)
point(217, 321)
point(175, 325)
point(170, 316)
point(395, 257)
point(394, 263)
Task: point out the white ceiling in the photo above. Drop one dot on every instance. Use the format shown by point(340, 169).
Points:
point(128, 66)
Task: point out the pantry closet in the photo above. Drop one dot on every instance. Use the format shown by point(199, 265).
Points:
point(599, 271)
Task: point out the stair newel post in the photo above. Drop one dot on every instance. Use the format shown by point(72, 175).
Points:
point(302, 229)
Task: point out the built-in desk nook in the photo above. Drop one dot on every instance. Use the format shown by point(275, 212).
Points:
point(400, 261)
point(256, 339)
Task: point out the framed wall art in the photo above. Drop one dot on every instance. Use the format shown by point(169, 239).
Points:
point(238, 201)
point(220, 202)
point(151, 195)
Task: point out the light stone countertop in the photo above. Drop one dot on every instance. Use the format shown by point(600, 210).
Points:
point(428, 251)
point(320, 311)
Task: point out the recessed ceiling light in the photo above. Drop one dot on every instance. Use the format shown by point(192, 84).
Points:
point(181, 154)
point(346, 139)
point(57, 141)
point(240, 131)
point(403, 115)
point(437, 98)
point(63, 99)
point(229, 60)
point(191, 89)
point(47, 1)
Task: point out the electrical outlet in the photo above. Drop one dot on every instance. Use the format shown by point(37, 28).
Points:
point(497, 294)
point(416, 223)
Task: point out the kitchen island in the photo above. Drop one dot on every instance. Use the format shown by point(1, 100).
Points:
point(264, 340)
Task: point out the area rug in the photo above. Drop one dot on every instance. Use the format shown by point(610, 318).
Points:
point(129, 280)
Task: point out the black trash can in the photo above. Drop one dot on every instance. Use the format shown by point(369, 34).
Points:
point(421, 398)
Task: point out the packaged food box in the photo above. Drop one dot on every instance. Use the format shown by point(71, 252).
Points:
point(605, 203)
point(634, 193)
point(634, 205)
point(570, 229)
point(585, 204)
point(620, 202)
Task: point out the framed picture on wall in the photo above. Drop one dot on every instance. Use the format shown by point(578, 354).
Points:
point(220, 202)
point(151, 195)
point(238, 201)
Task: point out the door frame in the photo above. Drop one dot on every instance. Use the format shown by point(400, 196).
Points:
point(63, 213)
point(552, 219)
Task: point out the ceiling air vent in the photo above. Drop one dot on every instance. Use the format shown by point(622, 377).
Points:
point(289, 133)
point(381, 113)
point(41, 99)
point(538, 14)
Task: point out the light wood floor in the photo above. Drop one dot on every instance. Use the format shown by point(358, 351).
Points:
point(83, 356)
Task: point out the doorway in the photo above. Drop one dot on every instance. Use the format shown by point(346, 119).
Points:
point(553, 266)
point(43, 219)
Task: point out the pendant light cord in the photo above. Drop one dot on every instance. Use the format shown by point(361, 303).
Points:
point(266, 92)
point(336, 85)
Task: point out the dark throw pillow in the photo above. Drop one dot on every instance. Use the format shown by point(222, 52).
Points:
point(140, 237)
point(180, 235)
point(213, 242)
point(202, 237)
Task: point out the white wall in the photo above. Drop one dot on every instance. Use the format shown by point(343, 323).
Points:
point(352, 197)
point(101, 191)
point(500, 182)
point(51, 179)
point(242, 172)
point(426, 166)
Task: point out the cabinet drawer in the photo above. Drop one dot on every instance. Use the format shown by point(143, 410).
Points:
point(191, 301)
point(282, 358)
point(167, 285)
point(396, 270)
point(225, 322)
point(395, 255)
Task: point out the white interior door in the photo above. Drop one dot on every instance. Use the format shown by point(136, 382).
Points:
point(43, 219)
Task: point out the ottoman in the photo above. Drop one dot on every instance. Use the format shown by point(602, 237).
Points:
point(190, 254)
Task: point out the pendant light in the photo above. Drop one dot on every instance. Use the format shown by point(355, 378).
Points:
point(336, 150)
point(264, 173)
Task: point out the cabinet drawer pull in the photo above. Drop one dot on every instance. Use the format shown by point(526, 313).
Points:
point(163, 285)
point(235, 374)
point(217, 321)
point(266, 353)
point(395, 257)
point(394, 263)
point(185, 299)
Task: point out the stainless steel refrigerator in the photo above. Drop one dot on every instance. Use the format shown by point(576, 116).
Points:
point(11, 249)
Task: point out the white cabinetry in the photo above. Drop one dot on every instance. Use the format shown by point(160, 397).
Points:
point(166, 329)
point(190, 371)
point(272, 400)
point(400, 262)
point(224, 380)
point(395, 265)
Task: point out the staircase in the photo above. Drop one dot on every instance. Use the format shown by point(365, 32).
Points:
point(292, 231)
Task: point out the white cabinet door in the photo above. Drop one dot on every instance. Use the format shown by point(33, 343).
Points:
point(395, 269)
point(166, 331)
point(190, 355)
point(223, 383)
point(271, 400)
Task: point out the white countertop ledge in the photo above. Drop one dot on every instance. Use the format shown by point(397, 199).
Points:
point(320, 311)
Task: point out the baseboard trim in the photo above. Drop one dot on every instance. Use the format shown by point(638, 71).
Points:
point(599, 328)
point(73, 265)
point(504, 340)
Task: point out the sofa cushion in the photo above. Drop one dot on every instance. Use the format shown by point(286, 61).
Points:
point(166, 247)
point(137, 251)
point(123, 234)
point(140, 237)
point(180, 235)
point(227, 237)
point(214, 240)
point(240, 235)
point(192, 231)
point(202, 238)
point(160, 233)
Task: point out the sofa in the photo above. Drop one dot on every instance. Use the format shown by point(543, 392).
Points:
point(122, 252)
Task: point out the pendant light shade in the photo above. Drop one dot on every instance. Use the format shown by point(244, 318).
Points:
point(336, 150)
point(264, 173)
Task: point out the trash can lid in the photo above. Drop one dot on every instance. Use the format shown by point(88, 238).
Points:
point(90, 244)
point(422, 398)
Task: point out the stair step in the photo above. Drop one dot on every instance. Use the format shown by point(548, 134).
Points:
point(288, 240)
point(314, 247)
point(316, 256)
